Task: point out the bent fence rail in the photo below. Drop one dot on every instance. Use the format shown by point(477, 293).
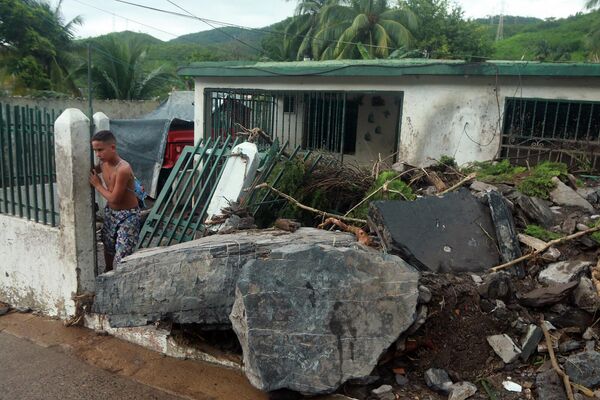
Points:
point(27, 164)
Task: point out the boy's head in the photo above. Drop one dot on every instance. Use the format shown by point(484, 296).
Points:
point(104, 144)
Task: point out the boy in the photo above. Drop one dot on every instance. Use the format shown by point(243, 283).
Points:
point(121, 228)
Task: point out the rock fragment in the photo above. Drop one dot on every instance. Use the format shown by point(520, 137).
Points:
point(532, 338)
point(504, 347)
point(462, 391)
point(545, 296)
point(563, 271)
point(438, 380)
point(565, 196)
point(549, 386)
point(584, 368)
point(586, 296)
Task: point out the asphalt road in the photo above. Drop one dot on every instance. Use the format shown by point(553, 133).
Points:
point(31, 372)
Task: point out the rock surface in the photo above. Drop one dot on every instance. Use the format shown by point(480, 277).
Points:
point(506, 233)
point(462, 391)
point(438, 380)
point(192, 282)
point(546, 296)
point(566, 196)
point(504, 347)
point(535, 209)
point(311, 317)
point(549, 386)
point(584, 368)
point(440, 234)
point(586, 296)
point(530, 341)
point(563, 271)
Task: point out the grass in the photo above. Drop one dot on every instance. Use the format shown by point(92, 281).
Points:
point(397, 190)
point(539, 182)
point(496, 172)
point(541, 233)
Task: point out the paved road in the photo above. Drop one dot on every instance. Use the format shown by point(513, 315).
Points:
point(31, 372)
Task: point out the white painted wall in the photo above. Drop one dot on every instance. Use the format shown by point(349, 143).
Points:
point(442, 115)
point(42, 267)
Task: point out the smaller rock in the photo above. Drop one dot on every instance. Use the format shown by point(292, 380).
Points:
point(586, 296)
point(462, 391)
point(23, 310)
point(565, 196)
point(569, 346)
point(504, 347)
point(477, 279)
point(589, 334)
point(536, 210)
point(496, 285)
point(590, 345)
point(569, 225)
point(551, 255)
point(425, 295)
point(582, 227)
point(563, 271)
point(530, 341)
point(4, 309)
point(512, 386)
point(420, 319)
point(564, 316)
point(545, 296)
point(478, 186)
point(438, 380)
point(584, 368)
point(382, 390)
point(549, 386)
point(401, 380)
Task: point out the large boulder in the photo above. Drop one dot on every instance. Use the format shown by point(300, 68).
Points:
point(192, 282)
point(311, 317)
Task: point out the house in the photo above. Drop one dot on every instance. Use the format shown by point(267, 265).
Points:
point(414, 110)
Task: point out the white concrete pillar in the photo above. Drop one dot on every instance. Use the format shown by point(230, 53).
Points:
point(77, 222)
point(101, 122)
point(199, 112)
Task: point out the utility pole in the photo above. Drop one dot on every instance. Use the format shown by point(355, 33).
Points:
point(91, 117)
point(500, 31)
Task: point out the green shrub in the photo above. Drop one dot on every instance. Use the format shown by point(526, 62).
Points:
point(541, 233)
point(397, 190)
point(539, 182)
point(496, 172)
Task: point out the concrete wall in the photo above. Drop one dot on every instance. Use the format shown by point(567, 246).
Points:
point(442, 115)
point(117, 109)
point(42, 267)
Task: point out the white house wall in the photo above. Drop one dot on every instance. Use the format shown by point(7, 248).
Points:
point(442, 115)
point(289, 125)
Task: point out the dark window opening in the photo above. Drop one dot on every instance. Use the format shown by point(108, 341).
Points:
point(289, 104)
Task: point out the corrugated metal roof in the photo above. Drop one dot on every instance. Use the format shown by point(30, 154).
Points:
point(341, 68)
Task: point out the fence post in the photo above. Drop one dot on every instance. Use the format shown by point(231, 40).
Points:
point(101, 122)
point(77, 221)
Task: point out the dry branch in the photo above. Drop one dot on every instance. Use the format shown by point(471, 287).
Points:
point(546, 247)
point(361, 235)
point(466, 179)
point(307, 208)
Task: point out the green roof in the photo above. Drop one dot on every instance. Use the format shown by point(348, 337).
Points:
point(340, 68)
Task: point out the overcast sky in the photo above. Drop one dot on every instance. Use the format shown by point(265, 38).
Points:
point(117, 17)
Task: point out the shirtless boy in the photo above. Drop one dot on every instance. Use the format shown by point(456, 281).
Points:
point(121, 228)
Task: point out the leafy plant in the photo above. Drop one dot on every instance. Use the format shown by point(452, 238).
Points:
point(496, 172)
point(395, 189)
point(543, 234)
point(539, 182)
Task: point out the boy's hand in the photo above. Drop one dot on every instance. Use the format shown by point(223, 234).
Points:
point(94, 179)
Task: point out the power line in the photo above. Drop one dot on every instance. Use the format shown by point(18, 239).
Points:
point(219, 29)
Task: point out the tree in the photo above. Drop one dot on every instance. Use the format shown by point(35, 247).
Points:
point(593, 38)
point(372, 23)
point(444, 33)
point(117, 70)
point(35, 44)
point(299, 34)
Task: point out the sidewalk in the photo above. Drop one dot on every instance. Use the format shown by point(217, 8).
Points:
point(131, 364)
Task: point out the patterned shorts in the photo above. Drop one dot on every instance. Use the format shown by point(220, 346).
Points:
point(120, 232)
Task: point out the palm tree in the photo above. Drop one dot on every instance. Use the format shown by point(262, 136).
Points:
point(592, 4)
point(300, 33)
point(370, 23)
point(117, 70)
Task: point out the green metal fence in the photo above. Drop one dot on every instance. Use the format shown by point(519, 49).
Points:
point(27, 165)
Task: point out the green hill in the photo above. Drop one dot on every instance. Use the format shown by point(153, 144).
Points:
point(551, 40)
point(129, 35)
point(513, 24)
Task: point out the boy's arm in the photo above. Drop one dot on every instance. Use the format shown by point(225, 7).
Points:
point(119, 189)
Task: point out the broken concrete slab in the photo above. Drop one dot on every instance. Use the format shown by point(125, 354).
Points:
point(192, 282)
point(584, 368)
point(506, 233)
point(546, 296)
point(531, 339)
point(311, 317)
point(565, 196)
point(563, 271)
point(453, 233)
point(535, 209)
point(504, 347)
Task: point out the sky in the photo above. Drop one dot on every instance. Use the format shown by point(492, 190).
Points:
point(101, 17)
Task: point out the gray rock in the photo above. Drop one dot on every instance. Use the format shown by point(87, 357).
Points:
point(582, 227)
point(424, 295)
point(589, 334)
point(565, 196)
point(401, 380)
point(570, 345)
point(440, 234)
point(530, 341)
point(590, 345)
point(4, 309)
point(420, 319)
point(563, 271)
point(192, 282)
point(546, 296)
point(506, 233)
point(549, 386)
point(536, 210)
point(496, 285)
point(438, 380)
point(311, 317)
point(586, 296)
point(462, 391)
point(584, 368)
point(504, 347)
point(383, 389)
point(551, 255)
point(478, 186)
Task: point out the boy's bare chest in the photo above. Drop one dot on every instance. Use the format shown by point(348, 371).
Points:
point(109, 174)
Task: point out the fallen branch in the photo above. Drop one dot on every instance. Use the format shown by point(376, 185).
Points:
point(307, 208)
point(466, 179)
point(546, 247)
point(566, 381)
point(361, 236)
